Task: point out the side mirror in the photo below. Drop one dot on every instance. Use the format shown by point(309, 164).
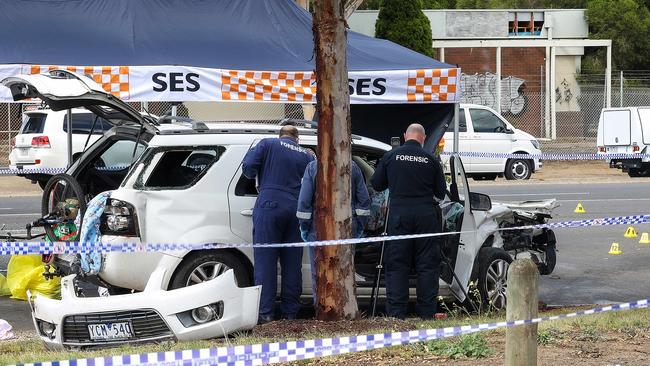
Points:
point(509, 131)
point(479, 202)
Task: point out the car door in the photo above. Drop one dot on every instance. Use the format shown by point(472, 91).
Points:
point(490, 135)
point(463, 137)
point(468, 245)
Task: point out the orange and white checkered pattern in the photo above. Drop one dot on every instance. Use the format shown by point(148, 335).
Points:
point(432, 85)
point(269, 86)
point(114, 79)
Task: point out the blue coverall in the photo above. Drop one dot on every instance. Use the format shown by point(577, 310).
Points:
point(278, 164)
point(360, 210)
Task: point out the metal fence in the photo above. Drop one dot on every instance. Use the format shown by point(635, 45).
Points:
point(578, 102)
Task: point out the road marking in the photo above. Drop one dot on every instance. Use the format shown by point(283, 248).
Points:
point(20, 214)
point(6, 208)
point(541, 194)
point(607, 200)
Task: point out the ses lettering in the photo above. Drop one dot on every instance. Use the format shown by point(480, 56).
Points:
point(367, 86)
point(176, 82)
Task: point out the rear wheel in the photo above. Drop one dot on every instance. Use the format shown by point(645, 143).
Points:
point(492, 277)
point(63, 200)
point(203, 266)
point(518, 169)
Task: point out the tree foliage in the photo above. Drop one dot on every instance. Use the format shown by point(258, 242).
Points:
point(403, 22)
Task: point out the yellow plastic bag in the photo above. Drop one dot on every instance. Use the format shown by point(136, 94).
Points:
point(25, 272)
point(4, 289)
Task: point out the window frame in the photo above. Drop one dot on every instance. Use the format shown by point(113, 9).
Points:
point(505, 126)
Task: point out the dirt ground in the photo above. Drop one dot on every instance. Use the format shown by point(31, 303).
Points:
point(18, 186)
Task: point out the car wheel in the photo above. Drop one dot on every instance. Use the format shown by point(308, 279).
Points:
point(493, 270)
point(63, 199)
point(484, 176)
point(518, 169)
point(548, 266)
point(202, 266)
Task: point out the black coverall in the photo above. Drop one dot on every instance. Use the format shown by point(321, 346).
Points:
point(414, 177)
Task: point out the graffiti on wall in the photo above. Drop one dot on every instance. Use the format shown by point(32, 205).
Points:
point(481, 89)
point(563, 93)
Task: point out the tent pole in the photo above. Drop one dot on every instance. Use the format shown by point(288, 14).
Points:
point(69, 125)
point(498, 102)
point(456, 126)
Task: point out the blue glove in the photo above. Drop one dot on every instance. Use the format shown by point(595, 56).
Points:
point(305, 227)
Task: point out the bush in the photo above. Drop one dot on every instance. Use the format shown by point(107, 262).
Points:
point(403, 22)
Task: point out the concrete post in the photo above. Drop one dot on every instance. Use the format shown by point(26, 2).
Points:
point(521, 341)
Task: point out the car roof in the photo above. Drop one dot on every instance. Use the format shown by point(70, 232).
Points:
point(241, 132)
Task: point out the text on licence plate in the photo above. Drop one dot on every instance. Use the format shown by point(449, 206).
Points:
point(106, 331)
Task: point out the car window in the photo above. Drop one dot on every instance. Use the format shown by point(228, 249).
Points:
point(119, 155)
point(462, 124)
point(486, 121)
point(177, 168)
point(83, 122)
point(33, 123)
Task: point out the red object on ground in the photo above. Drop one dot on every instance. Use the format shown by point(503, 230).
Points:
point(441, 316)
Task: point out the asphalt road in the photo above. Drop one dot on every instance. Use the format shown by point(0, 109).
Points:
point(585, 273)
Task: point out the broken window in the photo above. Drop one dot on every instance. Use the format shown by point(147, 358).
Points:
point(177, 168)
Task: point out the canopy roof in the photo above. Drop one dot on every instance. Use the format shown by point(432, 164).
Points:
point(241, 35)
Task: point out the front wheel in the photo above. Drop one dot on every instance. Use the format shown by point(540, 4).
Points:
point(518, 169)
point(492, 277)
point(203, 266)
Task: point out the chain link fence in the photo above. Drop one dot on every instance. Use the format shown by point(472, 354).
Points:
point(578, 102)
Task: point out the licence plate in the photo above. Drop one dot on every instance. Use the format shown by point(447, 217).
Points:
point(110, 331)
point(23, 151)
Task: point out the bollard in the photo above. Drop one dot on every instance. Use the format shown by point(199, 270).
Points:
point(521, 341)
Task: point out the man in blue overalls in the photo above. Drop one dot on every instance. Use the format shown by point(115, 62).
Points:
point(360, 210)
point(278, 165)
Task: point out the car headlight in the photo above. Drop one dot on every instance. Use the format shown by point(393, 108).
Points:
point(535, 143)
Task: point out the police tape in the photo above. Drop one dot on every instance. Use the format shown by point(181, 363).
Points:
point(542, 156)
point(550, 156)
point(267, 353)
point(62, 247)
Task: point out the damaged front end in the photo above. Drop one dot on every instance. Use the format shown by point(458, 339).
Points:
point(538, 244)
point(206, 310)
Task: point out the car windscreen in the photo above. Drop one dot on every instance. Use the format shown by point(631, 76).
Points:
point(34, 123)
point(82, 124)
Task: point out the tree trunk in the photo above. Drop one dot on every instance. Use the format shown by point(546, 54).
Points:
point(335, 276)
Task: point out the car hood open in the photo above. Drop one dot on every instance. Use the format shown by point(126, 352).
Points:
point(62, 89)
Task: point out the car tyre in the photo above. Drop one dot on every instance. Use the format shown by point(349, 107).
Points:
point(202, 266)
point(518, 169)
point(72, 190)
point(492, 277)
point(548, 266)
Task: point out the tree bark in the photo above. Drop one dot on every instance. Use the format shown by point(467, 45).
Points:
point(335, 275)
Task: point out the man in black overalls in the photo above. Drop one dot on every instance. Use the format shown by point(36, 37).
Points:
point(416, 183)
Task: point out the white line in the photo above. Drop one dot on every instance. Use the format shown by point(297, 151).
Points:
point(541, 194)
point(6, 208)
point(607, 200)
point(20, 214)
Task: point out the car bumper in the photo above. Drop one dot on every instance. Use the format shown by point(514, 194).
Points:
point(154, 314)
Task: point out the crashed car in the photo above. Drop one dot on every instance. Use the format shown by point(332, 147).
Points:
point(187, 187)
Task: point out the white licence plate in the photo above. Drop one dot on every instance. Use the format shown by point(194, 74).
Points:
point(23, 151)
point(110, 331)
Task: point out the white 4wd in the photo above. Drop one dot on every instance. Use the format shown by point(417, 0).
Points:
point(43, 140)
point(188, 187)
point(488, 132)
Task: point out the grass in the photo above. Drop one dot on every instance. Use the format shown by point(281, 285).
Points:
point(583, 329)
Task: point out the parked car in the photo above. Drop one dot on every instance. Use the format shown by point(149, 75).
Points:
point(188, 187)
point(489, 132)
point(625, 131)
point(42, 142)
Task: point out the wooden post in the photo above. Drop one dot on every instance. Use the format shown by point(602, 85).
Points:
point(521, 341)
point(335, 286)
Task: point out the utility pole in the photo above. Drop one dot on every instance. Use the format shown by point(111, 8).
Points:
point(335, 286)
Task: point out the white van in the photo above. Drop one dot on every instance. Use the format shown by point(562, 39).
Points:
point(489, 132)
point(625, 131)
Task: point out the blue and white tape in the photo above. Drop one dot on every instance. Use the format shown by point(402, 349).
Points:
point(268, 353)
point(550, 156)
point(11, 248)
point(54, 171)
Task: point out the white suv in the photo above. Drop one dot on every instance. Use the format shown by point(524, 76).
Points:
point(187, 187)
point(43, 140)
